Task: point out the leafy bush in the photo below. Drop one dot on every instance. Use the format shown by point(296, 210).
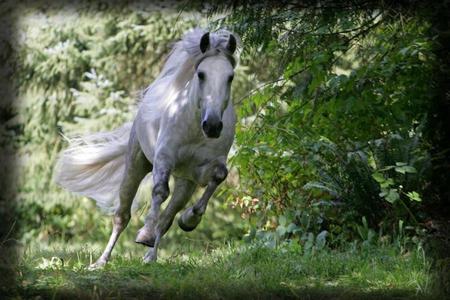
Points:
point(337, 134)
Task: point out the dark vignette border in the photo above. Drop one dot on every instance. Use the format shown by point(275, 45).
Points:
point(437, 12)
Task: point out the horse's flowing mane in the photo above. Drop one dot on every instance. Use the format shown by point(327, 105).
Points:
point(179, 68)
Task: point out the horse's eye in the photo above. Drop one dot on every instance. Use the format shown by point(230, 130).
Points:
point(230, 79)
point(201, 75)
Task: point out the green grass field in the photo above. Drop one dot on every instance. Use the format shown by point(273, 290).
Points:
point(228, 272)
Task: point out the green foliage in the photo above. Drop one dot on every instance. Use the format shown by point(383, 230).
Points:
point(90, 69)
point(339, 129)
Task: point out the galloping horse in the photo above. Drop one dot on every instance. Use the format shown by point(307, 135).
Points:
point(184, 127)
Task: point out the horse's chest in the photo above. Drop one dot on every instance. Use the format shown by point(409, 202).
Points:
point(197, 154)
point(190, 157)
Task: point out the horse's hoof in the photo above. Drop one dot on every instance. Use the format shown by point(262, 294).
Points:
point(99, 264)
point(188, 221)
point(145, 237)
point(147, 260)
point(184, 226)
point(150, 257)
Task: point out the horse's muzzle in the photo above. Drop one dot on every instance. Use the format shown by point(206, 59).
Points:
point(212, 128)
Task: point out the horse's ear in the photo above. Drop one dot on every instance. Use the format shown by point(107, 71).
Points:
point(204, 42)
point(231, 44)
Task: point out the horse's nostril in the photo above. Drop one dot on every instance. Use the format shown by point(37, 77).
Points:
point(212, 128)
point(205, 125)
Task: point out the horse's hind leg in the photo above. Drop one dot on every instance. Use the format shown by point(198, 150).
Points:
point(137, 166)
point(182, 192)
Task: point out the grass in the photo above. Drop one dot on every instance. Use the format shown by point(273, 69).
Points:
point(227, 272)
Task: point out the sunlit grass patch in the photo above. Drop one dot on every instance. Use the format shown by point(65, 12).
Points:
point(229, 271)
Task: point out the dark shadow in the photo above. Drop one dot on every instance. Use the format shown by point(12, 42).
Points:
point(230, 291)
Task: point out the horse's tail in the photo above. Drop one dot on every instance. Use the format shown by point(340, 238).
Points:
point(94, 165)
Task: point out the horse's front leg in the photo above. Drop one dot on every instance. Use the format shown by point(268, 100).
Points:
point(161, 174)
point(182, 192)
point(192, 216)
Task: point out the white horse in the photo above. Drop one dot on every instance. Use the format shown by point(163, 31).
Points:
point(184, 127)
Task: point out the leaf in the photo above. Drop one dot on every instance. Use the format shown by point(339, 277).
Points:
point(271, 243)
point(364, 221)
point(392, 196)
point(378, 177)
point(404, 51)
point(320, 186)
point(281, 231)
point(414, 196)
point(282, 220)
point(370, 235)
point(386, 168)
point(405, 169)
point(292, 228)
point(250, 235)
point(389, 182)
point(321, 239)
point(310, 241)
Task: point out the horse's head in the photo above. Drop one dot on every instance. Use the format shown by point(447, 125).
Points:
point(213, 77)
